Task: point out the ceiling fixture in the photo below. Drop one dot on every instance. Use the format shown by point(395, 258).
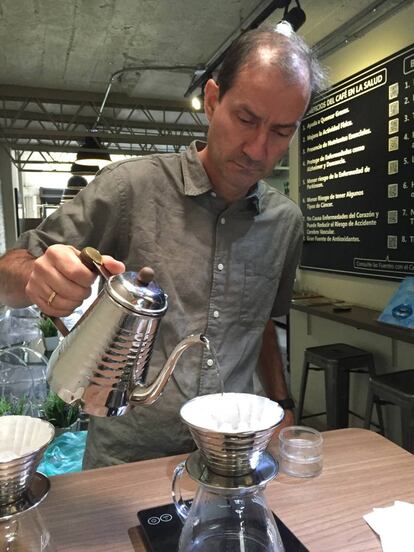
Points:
point(83, 170)
point(296, 17)
point(92, 153)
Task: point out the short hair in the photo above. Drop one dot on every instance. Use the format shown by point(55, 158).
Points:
point(290, 55)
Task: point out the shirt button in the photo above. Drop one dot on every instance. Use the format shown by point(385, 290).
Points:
point(220, 266)
point(210, 362)
point(213, 194)
point(223, 220)
point(216, 314)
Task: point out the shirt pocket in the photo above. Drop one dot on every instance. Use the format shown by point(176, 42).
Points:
point(259, 293)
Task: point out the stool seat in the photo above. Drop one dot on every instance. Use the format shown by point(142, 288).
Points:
point(396, 388)
point(400, 383)
point(337, 354)
point(337, 360)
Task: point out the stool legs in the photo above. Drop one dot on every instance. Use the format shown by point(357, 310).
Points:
point(407, 423)
point(368, 410)
point(379, 415)
point(303, 383)
point(337, 397)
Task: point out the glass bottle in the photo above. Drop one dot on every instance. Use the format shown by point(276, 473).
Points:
point(25, 532)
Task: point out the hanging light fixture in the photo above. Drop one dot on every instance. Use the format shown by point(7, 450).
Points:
point(92, 153)
point(84, 169)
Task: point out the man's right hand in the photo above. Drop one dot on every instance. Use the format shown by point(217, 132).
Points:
point(61, 271)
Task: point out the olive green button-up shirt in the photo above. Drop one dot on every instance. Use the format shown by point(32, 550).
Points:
point(226, 269)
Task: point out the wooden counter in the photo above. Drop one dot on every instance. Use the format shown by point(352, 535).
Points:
point(96, 510)
point(358, 317)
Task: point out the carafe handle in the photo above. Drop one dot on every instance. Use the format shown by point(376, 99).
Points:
point(180, 505)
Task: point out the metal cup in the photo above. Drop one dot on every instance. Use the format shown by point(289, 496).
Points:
point(23, 441)
point(231, 451)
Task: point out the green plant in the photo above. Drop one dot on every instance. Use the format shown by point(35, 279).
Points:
point(58, 413)
point(12, 408)
point(47, 327)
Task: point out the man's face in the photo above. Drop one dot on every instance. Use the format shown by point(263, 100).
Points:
point(250, 127)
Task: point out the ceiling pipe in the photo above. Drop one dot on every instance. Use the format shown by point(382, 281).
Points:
point(135, 68)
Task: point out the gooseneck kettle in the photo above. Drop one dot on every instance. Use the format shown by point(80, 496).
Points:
point(103, 361)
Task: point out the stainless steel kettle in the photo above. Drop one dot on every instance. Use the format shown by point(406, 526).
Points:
point(103, 361)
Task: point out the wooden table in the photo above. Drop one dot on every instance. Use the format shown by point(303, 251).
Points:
point(96, 510)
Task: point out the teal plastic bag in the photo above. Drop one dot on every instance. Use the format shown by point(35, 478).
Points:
point(64, 454)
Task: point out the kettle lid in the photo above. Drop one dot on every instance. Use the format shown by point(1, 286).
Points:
point(137, 291)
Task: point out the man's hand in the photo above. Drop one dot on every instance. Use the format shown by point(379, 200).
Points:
point(60, 270)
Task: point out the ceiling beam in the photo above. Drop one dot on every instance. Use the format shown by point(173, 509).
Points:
point(136, 149)
point(41, 134)
point(57, 118)
point(358, 25)
point(76, 97)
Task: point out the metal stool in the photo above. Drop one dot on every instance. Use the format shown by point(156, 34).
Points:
point(396, 388)
point(337, 361)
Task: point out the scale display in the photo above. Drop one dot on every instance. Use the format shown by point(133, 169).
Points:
point(357, 173)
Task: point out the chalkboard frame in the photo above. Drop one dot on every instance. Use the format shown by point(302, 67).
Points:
point(317, 256)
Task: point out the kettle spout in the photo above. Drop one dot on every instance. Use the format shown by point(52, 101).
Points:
point(145, 395)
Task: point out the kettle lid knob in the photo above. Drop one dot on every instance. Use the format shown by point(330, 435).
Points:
point(145, 275)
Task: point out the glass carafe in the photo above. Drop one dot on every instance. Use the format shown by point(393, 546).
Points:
point(25, 532)
point(224, 519)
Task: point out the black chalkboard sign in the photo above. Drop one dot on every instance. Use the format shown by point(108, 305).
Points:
point(357, 173)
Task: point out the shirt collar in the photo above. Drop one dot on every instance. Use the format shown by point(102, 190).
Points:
point(256, 195)
point(196, 181)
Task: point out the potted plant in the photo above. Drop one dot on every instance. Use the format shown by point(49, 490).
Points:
point(63, 416)
point(49, 333)
point(9, 407)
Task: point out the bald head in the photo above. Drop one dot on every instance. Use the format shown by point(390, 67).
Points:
point(259, 49)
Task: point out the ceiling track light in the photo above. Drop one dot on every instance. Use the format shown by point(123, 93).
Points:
point(197, 102)
point(296, 17)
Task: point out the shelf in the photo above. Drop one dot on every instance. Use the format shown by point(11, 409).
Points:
point(359, 317)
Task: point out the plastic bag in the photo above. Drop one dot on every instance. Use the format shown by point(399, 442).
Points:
point(64, 454)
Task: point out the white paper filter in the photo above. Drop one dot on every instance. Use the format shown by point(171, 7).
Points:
point(22, 435)
point(232, 412)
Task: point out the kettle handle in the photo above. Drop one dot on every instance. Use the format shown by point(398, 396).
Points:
point(180, 505)
point(92, 259)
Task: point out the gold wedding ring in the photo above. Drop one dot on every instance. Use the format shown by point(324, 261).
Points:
point(51, 297)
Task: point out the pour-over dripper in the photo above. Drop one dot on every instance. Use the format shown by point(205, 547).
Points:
point(23, 440)
point(231, 430)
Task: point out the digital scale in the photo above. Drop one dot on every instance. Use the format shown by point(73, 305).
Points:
point(161, 529)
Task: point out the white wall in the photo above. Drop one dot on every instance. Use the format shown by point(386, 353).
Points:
point(384, 40)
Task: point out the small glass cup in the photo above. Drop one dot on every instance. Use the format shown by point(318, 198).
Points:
point(300, 450)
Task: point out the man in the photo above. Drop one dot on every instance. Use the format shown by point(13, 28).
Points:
point(223, 244)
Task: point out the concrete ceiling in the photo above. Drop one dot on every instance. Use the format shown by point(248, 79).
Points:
point(57, 58)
